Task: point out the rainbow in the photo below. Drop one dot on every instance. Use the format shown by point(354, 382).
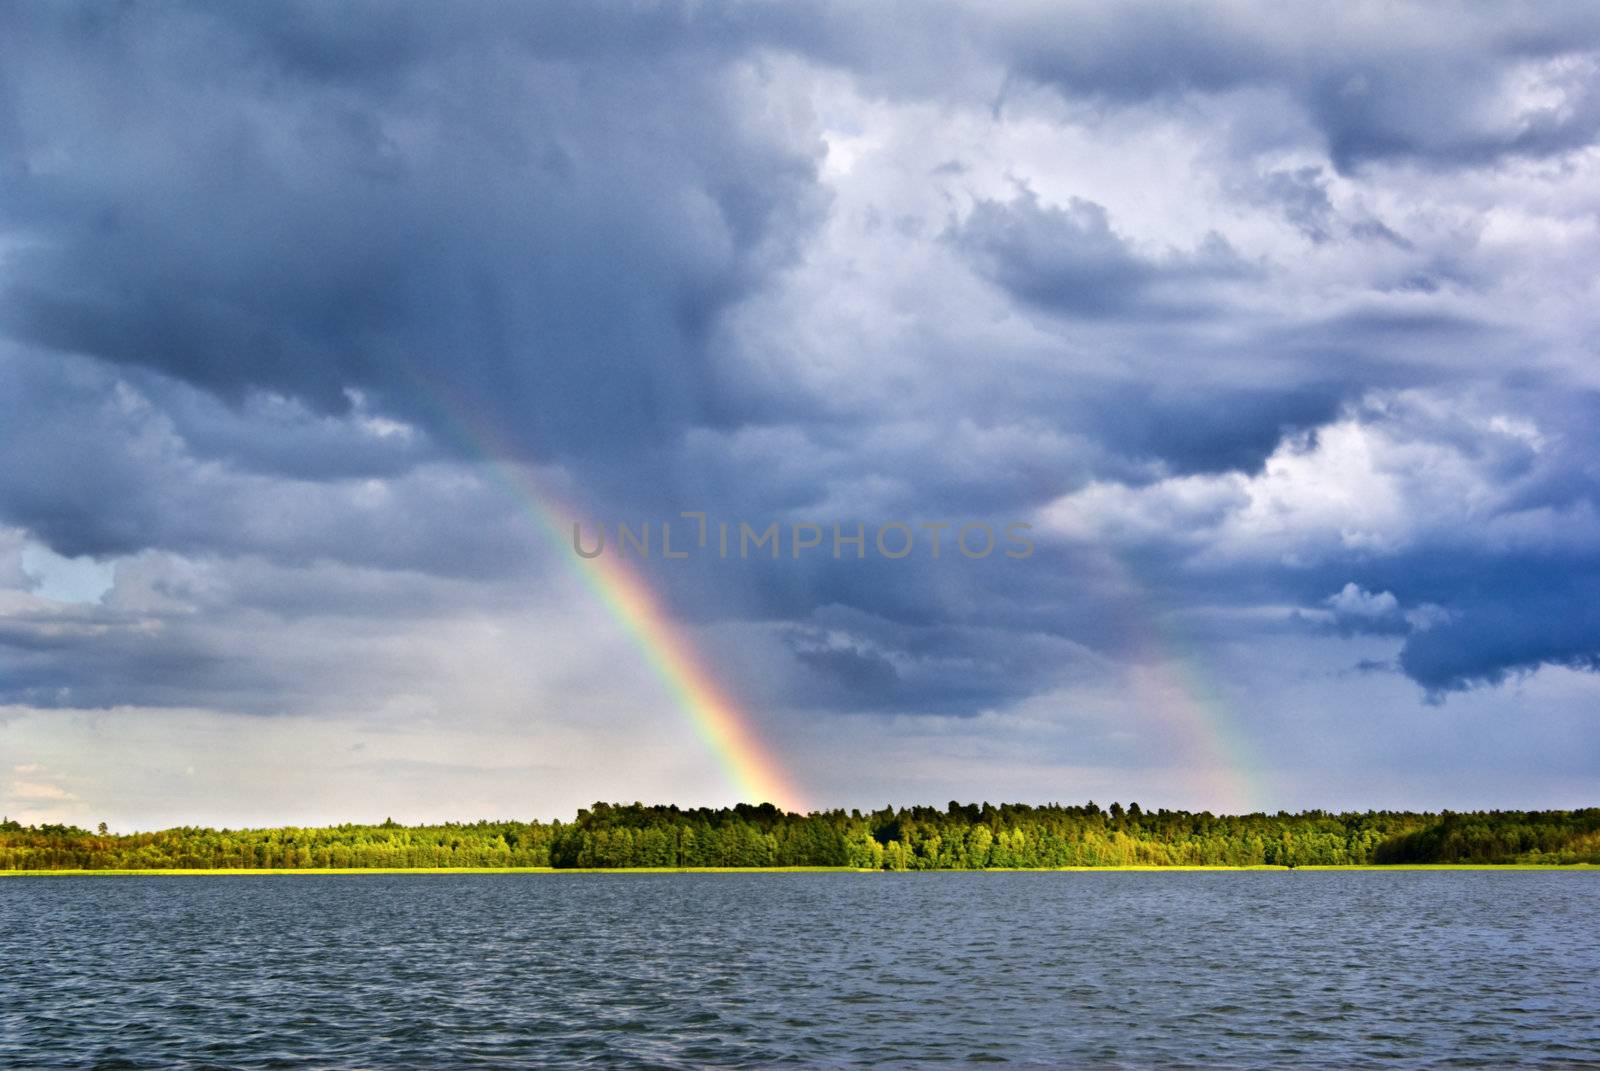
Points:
point(1173, 684)
point(725, 729)
point(720, 723)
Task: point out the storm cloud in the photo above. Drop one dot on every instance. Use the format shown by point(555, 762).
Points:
point(1277, 324)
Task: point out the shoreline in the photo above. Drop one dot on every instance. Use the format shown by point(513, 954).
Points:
point(1142, 869)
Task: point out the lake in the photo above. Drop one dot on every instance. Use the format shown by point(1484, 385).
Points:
point(1093, 970)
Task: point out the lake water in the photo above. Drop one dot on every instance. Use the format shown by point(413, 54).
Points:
point(1094, 970)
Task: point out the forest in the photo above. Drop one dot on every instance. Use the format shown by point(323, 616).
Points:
point(957, 837)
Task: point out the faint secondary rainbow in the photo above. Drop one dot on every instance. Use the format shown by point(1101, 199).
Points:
point(720, 723)
point(1173, 684)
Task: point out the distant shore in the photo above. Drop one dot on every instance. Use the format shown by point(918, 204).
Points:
point(340, 871)
point(761, 837)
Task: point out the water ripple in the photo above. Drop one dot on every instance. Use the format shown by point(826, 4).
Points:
point(1114, 971)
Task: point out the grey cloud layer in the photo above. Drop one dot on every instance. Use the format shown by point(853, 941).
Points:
point(1441, 83)
point(273, 280)
point(535, 222)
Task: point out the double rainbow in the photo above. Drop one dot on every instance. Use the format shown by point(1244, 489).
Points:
point(1175, 687)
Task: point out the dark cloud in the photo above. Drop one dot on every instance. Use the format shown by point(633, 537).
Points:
point(523, 225)
point(867, 678)
point(275, 279)
point(88, 658)
point(271, 434)
point(1488, 616)
point(856, 661)
point(92, 656)
point(1488, 641)
point(1433, 82)
point(1303, 195)
point(1069, 260)
point(100, 467)
point(1209, 429)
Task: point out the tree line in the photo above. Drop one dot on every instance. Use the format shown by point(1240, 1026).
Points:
point(957, 837)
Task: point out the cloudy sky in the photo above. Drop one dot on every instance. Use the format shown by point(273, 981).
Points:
point(1278, 325)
